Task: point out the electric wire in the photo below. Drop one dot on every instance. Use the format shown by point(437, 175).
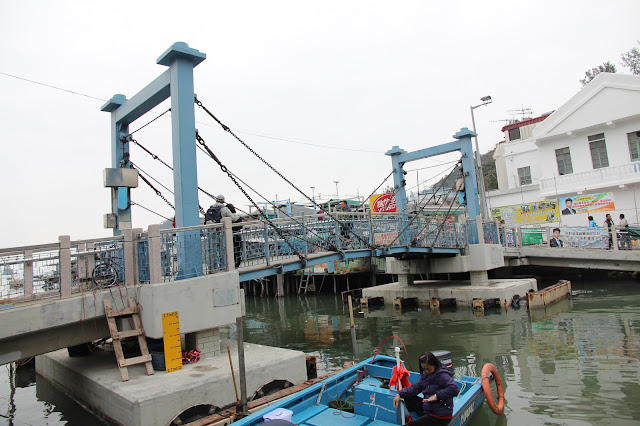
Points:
point(142, 127)
point(151, 177)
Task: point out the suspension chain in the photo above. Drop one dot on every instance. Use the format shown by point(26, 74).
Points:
point(233, 179)
point(228, 129)
point(423, 207)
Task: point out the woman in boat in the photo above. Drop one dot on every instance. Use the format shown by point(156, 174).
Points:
point(438, 389)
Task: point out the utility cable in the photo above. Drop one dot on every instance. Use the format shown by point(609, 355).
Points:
point(142, 127)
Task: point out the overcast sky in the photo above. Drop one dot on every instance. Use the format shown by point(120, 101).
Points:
point(332, 84)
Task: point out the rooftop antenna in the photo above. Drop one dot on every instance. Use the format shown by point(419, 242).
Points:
point(522, 111)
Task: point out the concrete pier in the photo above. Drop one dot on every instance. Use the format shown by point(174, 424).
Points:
point(158, 399)
point(463, 291)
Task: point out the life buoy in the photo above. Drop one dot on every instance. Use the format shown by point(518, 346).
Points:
point(486, 388)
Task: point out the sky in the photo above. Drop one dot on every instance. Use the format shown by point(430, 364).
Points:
point(320, 89)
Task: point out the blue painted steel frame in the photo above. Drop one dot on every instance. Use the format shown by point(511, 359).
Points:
point(463, 144)
point(177, 83)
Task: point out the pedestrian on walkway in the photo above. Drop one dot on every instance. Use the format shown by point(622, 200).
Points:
point(608, 223)
point(625, 239)
point(592, 223)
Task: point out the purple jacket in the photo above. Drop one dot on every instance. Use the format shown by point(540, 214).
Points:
point(441, 384)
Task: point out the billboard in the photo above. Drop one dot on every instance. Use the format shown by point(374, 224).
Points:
point(588, 203)
point(537, 212)
point(383, 203)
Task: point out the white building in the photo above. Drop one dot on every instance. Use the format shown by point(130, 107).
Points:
point(590, 145)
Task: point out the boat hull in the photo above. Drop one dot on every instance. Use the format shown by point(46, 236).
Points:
point(359, 395)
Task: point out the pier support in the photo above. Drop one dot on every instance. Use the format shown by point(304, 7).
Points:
point(280, 289)
point(479, 278)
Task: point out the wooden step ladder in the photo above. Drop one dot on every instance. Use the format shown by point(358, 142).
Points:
point(123, 363)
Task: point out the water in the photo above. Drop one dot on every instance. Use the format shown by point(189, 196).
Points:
point(576, 364)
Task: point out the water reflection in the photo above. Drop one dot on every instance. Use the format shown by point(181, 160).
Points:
point(575, 362)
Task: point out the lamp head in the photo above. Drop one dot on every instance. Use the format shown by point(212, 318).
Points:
point(486, 99)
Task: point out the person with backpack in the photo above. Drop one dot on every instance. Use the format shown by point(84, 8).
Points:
point(216, 212)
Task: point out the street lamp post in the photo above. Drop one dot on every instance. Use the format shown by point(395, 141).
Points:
point(313, 197)
point(483, 200)
point(337, 194)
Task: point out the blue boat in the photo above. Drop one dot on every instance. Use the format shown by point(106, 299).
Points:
point(360, 395)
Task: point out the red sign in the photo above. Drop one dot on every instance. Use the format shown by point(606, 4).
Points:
point(383, 203)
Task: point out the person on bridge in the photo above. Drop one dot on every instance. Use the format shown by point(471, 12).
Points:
point(348, 225)
point(608, 223)
point(220, 210)
point(592, 223)
point(438, 389)
point(556, 241)
point(625, 239)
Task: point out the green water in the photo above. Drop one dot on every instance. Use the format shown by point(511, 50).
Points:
point(575, 364)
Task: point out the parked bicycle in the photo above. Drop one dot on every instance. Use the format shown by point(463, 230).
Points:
point(105, 273)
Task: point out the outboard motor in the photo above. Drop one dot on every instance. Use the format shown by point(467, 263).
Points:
point(445, 358)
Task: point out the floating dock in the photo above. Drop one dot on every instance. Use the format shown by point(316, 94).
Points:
point(462, 291)
point(158, 399)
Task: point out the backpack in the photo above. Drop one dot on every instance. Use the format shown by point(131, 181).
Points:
point(213, 214)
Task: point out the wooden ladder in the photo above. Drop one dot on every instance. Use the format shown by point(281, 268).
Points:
point(123, 363)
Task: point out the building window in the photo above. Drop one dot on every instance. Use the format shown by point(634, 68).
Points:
point(634, 145)
point(514, 134)
point(598, 151)
point(563, 157)
point(524, 173)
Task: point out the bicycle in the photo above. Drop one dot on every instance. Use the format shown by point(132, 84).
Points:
point(105, 273)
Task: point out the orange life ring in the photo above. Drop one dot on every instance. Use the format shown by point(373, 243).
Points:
point(486, 388)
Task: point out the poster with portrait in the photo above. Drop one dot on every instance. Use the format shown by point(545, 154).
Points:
point(537, 212)
point(587, 203)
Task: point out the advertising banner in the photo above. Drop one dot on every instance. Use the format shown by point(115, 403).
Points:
point(383, 203)
point(587, 203)
point(537, 212)
point(585, 237)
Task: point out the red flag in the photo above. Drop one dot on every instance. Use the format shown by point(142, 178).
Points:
point(400, 374)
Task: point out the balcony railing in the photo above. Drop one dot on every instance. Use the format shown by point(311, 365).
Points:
point(593, 179)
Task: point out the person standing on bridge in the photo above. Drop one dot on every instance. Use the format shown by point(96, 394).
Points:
point(592, 223)
point(608, 223)
point(625, 240)
point(216, 212)
point(348, 226)
point(556, 241)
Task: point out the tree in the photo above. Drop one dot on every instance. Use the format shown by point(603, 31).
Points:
point(631, 60)
point(591, 74)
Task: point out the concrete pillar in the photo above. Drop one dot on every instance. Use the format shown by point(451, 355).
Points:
point(280, 285)
point(548, 235)
point(155, 259)
point(518, 236)
point(479, 278)
point(228, 239)
point(405, 279)
point(28, 273)
point(480, 229)
point(129, 261)
point(64, 267)
point(206, 341)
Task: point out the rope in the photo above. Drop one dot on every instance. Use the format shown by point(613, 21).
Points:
point(228, 130)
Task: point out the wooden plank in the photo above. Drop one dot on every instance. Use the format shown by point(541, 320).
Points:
point(127, 333)
point(127, 362)
point(123, 312)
